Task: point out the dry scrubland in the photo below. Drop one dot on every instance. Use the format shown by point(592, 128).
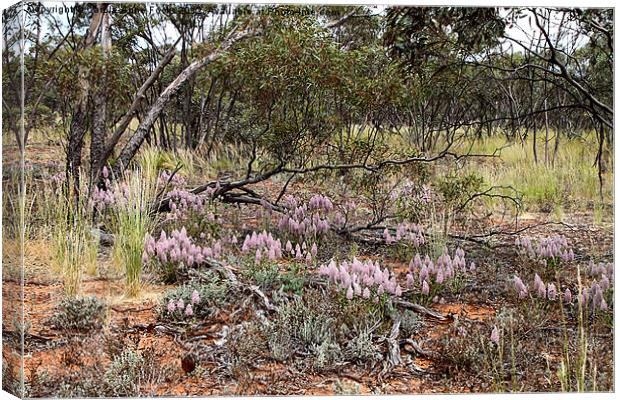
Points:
point(459, 289)
point(305, 199)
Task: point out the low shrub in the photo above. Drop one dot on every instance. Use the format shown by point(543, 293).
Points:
point(80, 314)
point(194, 300)
point(298, 327)
point(122, 377)
point(361, 347)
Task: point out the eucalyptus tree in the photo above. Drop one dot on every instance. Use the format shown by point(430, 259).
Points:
point(544, 62)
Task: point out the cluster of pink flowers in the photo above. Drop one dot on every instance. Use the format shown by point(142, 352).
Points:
point(406, 232)
point(110, 195)
point(320, 202)
point(264, 245)
point(103, 198)
point(179, 248)
point(362, 279)
point(302, 252)
point(520, 287)
point(541, 291)
point(183, 203)
point(58, 178)
point(594, 297)
point(306, 219)
point(177, 181)
point(601, 270)
point(176, 307)
point(553, 249)
point(425, 272)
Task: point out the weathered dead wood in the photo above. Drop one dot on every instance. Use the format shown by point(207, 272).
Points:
point(228, 273)
point(412, 346)
point(134, 143)
point(255, 290)
point(394, 358)
point(421, 310)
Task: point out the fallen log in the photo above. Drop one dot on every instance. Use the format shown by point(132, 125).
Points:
point(421, 310)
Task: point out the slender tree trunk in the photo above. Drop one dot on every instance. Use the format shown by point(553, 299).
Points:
point(534, 140)
point(546, 133)
point(78, 126)
point(137, 139)
point(100, 101)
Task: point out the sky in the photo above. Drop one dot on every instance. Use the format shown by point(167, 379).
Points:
point(521, 32)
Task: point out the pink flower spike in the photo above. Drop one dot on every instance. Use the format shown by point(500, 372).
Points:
point(258, 256)
point(189, 311)
point(495, 335)
point(425, 288)
point(568, 297)
point(195, 297)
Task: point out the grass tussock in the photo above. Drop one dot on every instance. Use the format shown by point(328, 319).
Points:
point(74, 247)
point(132, 219)
point(569, 181)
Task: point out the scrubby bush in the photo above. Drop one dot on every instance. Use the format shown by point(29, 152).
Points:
point(326, 355)
point(122, 377)
point(362, 348)
point(80, 314)
point(267, 275)
point(194, 300)
point(298, 327)
point(245, 343)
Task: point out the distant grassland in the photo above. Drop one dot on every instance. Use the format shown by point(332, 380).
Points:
point(571, 183)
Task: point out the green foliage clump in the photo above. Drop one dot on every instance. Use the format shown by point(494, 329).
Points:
point(457, 189)
point(122, 376)
point(211, 292)
point(298, 327)
point(80, 314)
point(268, 276)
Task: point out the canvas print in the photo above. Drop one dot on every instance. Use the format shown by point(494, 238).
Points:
point(215, 199)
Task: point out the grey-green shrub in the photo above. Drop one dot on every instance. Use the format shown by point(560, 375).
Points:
point(210, 293)
point(122, 377)
point(362, 348)
point(80, 314)
point(298, 327)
